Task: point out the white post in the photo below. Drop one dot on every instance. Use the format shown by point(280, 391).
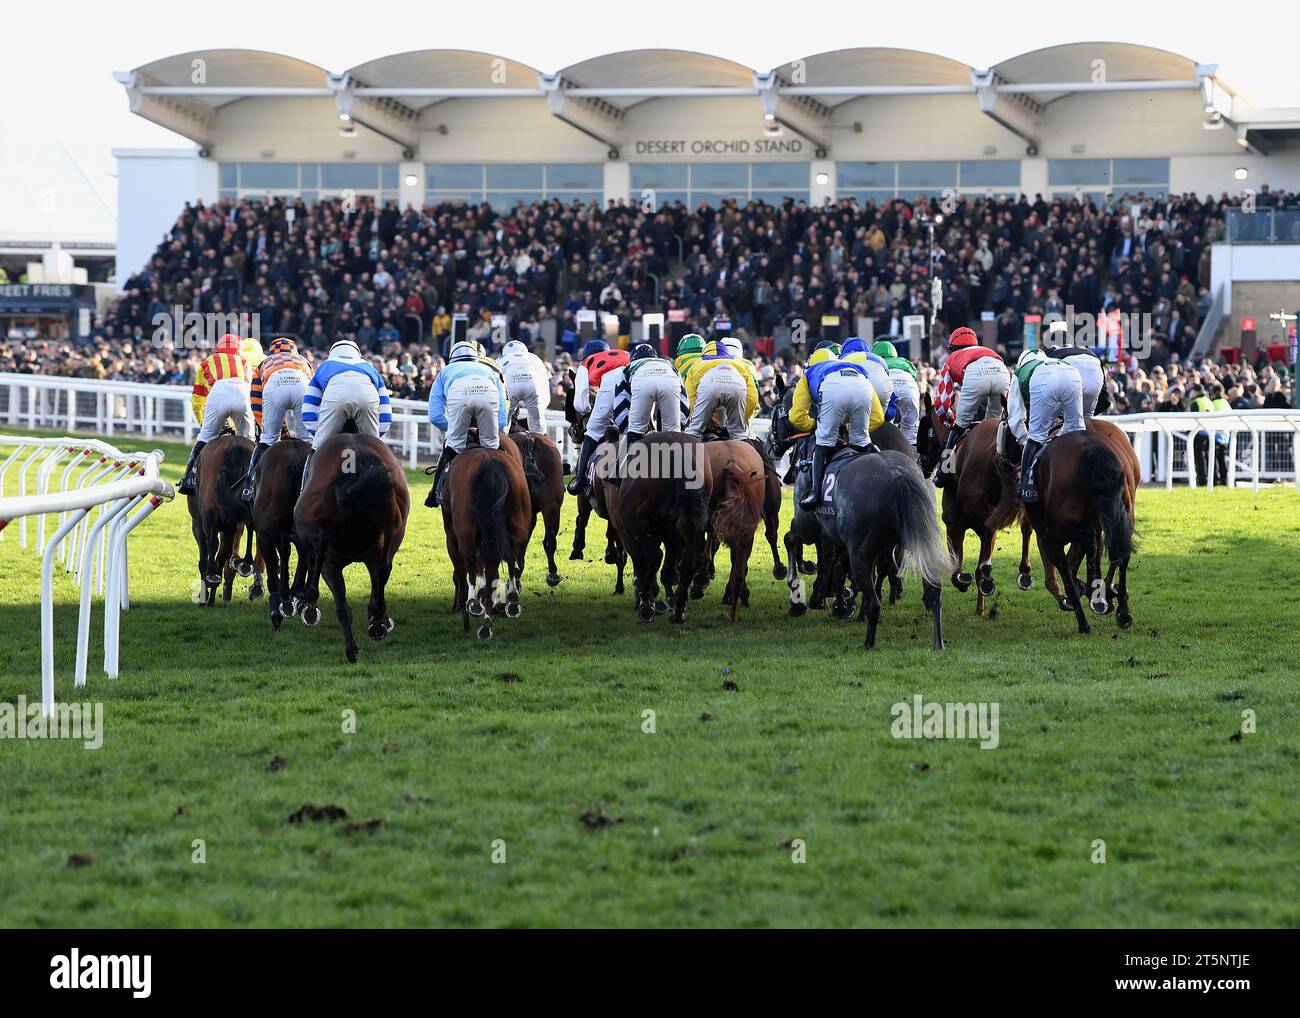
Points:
point(47, 611)
point(106, 513)
point(117, 587)
point(22, 491)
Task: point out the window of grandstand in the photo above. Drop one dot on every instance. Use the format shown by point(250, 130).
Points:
point(881, 181)
point(503, 185)
point(692, 183)
point(309, 181)
point(1094, 178)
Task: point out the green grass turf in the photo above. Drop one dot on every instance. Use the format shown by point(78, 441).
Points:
point(1121, 736)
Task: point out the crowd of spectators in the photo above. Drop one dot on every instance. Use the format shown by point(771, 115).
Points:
point(392, 280)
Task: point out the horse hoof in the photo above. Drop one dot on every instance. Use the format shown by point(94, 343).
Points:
point(276, 621)
point(311, 615)
point(213, 579)
point(552, 579)
point(611, 557)
point(1084, 628)
point(514, 609)
point(1099, 606)
point(389, 624)
point(778, 571)
point(474, 606)
point(244, 569)
point(256, 592)
point(485, 631)
point(808, 568)
point(797, 608)
point(575, 555)
point(677, 618)
point(1063, 603)
point(697, 594)
point(646, 613)
point(352, 653)
point(1025, 581)
point(661, 607)
point(1124, 618)
point(726, 597)
point(988, 588)
point(376, 631)
point(962, 581)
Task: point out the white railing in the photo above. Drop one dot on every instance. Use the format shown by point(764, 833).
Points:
point(125, 487)
point(1264, 445)
point(163, 412)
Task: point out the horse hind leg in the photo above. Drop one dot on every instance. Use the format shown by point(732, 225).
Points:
point(793, 578)
point(334, 580)
point(580, 529)
point(984, 571)
point(1025, 578)
point(379, 624)
point(771, 526)
point(1123, 617)
point(551, 517)
point(957, 540)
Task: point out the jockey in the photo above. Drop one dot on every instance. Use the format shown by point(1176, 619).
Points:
point(468, 391)
point(252, 351)
point(279, 384)
point(344, 388)
point(689, 350)
point(855, 351)
point(980, 380)
point(597, 358)
point(719, 382)
point(220, 392)
point(831, 393)
point(527, 383)
point(907, 396)
point(1060, 346)
point(1045, 391)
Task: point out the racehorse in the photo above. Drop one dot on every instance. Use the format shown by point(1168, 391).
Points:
point(276, 493)
point(487, 518)
point(979, 497)
point(1127, 455)
point(662, 519)
point(1084, 491)
point(736, 506)
point(882, 503)
point(353, 509)
point(218, 518)
point(544, 470)
point(614, 554)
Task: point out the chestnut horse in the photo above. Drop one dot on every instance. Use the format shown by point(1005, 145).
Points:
point(279, 479)
point(487, 518)
point(662, 519)
point(219, 517)
point(544, 470)
point(980, 497)
point(1084, 488)
point(353, 509)
point(735, 508)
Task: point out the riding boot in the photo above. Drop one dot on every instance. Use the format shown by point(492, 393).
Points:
point(944, 474)
point(434, 498)
point(578, 483)
point(617, 479)
point(306, 468)
point(821, 455)
point(190, 481)
point(247, 493)
point(1028, 462)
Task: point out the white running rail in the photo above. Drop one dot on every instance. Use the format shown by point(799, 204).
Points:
point(125, 487)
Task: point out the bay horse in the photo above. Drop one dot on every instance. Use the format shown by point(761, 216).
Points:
point(1127, 455)
point(1084, 489)
point(883, 503)
point(544, 470)
point(352, 509)
point(661, 520)
point(735, 507)
point(487, 519)
point(219, 518)
point(614, 554)
point(275, 495)
point(980, 497)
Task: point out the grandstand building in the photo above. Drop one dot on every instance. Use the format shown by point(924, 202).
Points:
point(1083, 119)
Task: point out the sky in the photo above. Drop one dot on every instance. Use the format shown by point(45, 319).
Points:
point(58, 86)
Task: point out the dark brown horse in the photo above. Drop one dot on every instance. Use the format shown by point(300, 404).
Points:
point(353, 509)
point(279, 479)
point(980, 497)
point(661, 519)
point(218, 518)
point(735, 508)
point(544, 470)
point(614, 554)
point(1084, 489)
point(487, 518)
point(1127, 455)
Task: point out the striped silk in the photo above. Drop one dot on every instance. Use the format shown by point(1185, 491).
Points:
point(216, 367)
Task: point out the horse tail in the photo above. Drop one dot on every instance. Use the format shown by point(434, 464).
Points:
point(741, 504)
point(1008, 509)
point(1104, 476)
point(229, 476)
point(369, 487)
point(688, 503)
point(532, 470)
point(911, 503)
point(487, 499)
